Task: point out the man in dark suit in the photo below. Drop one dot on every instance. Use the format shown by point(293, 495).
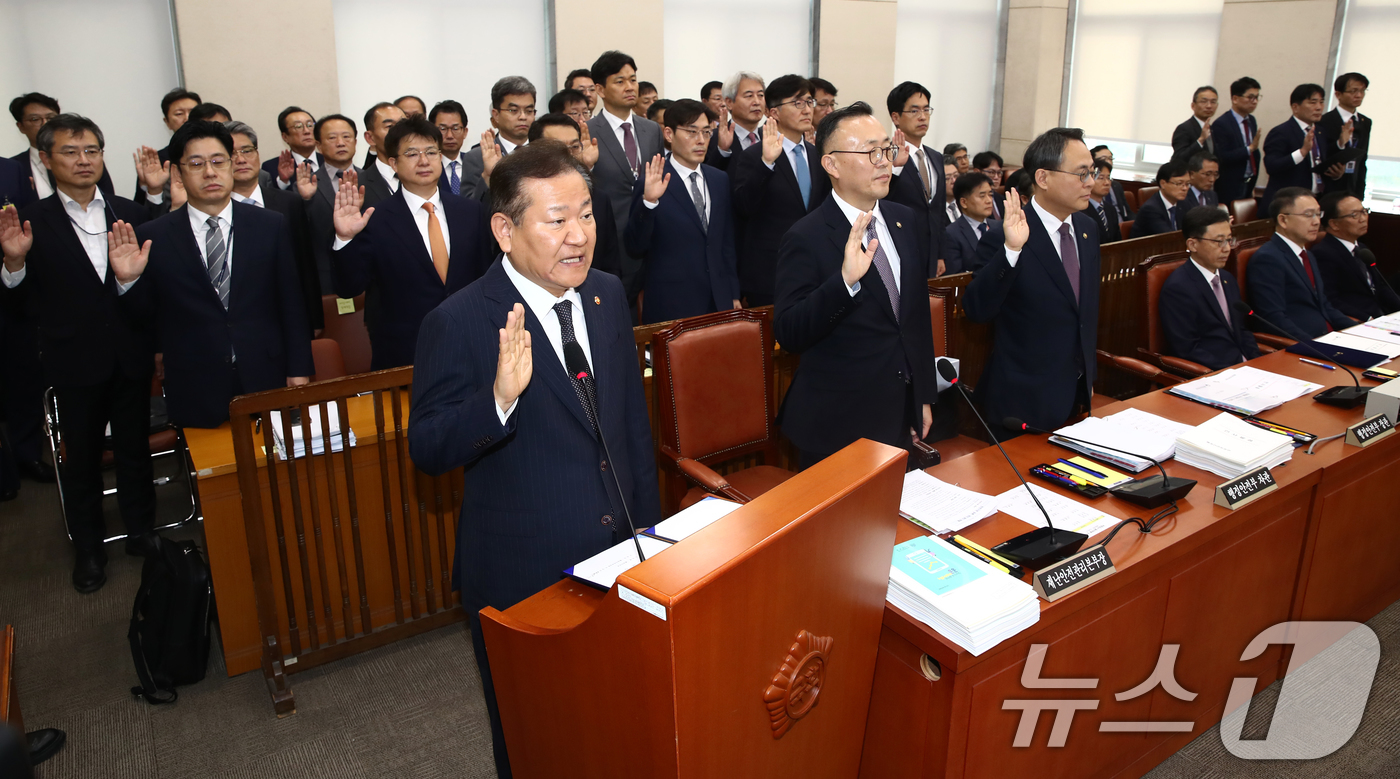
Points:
point(1237, 141)
point(298, 129)
point(682, 226)
point(335, 142)
point(15, 189)
point(625, 142)
point(973, 192)
point(57, 269)
point(1114, 198)
point(918, 172)
point(1286, 286)
point(31, 111)
point(775, 183)
point(1163, 213)
point(217, 282)
point(990, 164)
point(1350, 90)
point(853, 302)
point(413, 250)
point(1204, 170)
point(176, 107)
point(607, 251)
point(1196, 303)
point(378, 175)
point(1104, 215)
point(512, 113)
point(1295, 152)
point(1038, 280)
point(451, 120)
point(1354, 284)
point(491, 392)
point(1192, 136)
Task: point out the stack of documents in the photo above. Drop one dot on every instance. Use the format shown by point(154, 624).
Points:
point(941, 507)
point(1228, 446)
point(318, 442)
point(1132, 431)
point(687, 521)
point(1383, 329)
point(601, 570)
point(1363, 341)
point(1244, 390)
point(970, 603)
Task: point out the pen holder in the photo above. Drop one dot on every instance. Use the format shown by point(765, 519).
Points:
point(1060, 478)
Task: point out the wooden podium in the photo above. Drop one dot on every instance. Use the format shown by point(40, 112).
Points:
point(746, 650)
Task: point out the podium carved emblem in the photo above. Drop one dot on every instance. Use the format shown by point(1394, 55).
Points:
point(794, 689)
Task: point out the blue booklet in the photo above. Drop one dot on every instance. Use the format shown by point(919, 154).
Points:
point(934, 564)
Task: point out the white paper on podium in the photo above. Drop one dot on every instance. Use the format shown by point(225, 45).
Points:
point(602, 569)
point(688, 521)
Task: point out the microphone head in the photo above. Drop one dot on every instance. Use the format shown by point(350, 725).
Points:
point(574, 360)
point(946, 370)
point(1365, 255)
point(1012, 423)
point(1242, 307)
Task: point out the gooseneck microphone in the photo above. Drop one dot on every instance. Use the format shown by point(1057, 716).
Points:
point(1149, 492)
point(1042, 546)
point(577, 365)
point(1346, 397)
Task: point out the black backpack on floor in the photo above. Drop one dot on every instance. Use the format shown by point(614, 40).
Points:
point(170, 623)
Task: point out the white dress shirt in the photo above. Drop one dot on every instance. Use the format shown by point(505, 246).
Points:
point(616, 125)
point(89, 224)
point(685, 174)
point(255, 199)
point(297, 159)
point(1052, 226)
point(541, 302)
point(882, 234)
point(420, 218)
point(388, 173)
point(199, 223)
point(40, 174)
point(974, 224)
point(507, 147)
point(1209, 273)
point(789, 150)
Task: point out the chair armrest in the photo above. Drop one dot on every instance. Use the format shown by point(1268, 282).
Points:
point(1265, 348)
point(1184, 367)
point(708, 478)
point(1276, 341)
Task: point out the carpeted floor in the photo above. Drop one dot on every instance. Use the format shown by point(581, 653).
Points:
point(413, 709)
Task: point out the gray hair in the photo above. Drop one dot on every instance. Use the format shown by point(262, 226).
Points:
point(70, 123)
point(731, 86)
point(510, 85)
point(236, 127)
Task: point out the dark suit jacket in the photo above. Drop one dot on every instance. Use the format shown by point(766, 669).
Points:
point(1186, 139)
point(1234, 156)
point(534, 499)
point(377, 188)
point(389, 262)
point(291, 207)
point(1355, 183)
point(1113, 232)
point(607, 248)
point(473, 185)
point(1279, 146)
point(1044, 340)
point(140, 197)
point(962, 241)
point(1209, 198)
point(15, 188)
point(269, 167)
point(613, 179)
point(83, 335)
point(1154, 219)
point(688, 270)
point(1196, 328)
point(907, 189)
point(265, 325)
point(858, 360)
point(1120, 203)
point(716, 160)
point(1280, 292)
point(1345, 276)
point(769, 203)
point(104, 182)
point(320, 223)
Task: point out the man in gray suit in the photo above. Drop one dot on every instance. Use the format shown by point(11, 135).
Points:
point(377, 177)
point(626, 142)
point(335, 140)
point(512, 113)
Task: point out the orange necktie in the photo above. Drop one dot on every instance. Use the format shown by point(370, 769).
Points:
point(436, 242)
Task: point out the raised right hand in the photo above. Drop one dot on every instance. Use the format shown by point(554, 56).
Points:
point(1014, 222)
point(286, 166)
point(306, 181)
point(1205, 134)
point(490, 155)
point(126, 256)
point(656, 183)
point(515, 364)
point(1306, 148)
point(857, 260)
point(16, 239)
point(726, 130)
point(772, 143)
point(348, 219)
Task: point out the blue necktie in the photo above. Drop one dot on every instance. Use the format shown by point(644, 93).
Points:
point(1172, 213)
point(454, 181)
point(804, 176)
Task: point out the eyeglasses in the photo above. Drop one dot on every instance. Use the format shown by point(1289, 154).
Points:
point(992, 173)
point(1356, 92)
point(412, 155)
point(246, 151)
point(72, 154)
point(703, 135)
point(875, 154)
point(828, 104)
point(1084, 177)
point(38, 119)
point(299, 126)
point(517, 111)
point(1356, 214)
point(1251, 98)
point(588, 90)
point(451, 128)
point(809, 102)
point(925, 111)
point(577, 115)
point(1308, 215)
point(1224, 243)
point(217, 162)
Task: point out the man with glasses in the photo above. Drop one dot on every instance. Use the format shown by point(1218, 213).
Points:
point(512, 113)
point(1350, 90)
point(960, 157)
point(852, 299)
point(1196, 304)
point(1296, 152)
point(451, 120)
point(1204, 170)
point(413, 250)
point(990, 164)
point(824, 92)
point(56, 263)
point(681, 224)
point(1037, 278)
point(1286, 286)
point(298, 133)
point(1163, 213)
point(31, 111)
point(175, 275)
point(1237, 141)
point(1103, 214)
point(775, 183)
point(1354, 284)
point(335, 142)
point(572, 132)
point(1114, 198)
point(1193, 135)
point(918, 173)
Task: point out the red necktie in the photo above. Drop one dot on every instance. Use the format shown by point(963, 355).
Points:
point(1312, 280)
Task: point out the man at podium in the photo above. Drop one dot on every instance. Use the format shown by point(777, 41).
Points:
point(491, 392)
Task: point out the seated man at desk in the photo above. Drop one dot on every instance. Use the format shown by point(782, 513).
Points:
point(1286, 286)
point(975, 198)
point(1162, 213)
point(1196, 302)
point(1353, 282)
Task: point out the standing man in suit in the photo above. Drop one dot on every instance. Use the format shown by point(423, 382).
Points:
point(990, 164)
point(974, 195)
point(1354, 284)
point(950, 212)
point(299, 134)
point(1196, 303)
point(378, 176)
point(824, 92)
point(625, 142)
point(512, 113)
point(1114, 198)
point(1103, 214)
point(450, 118)
point(217, 283)
point(1286, 286)
point(918, 177)
point(1192, 136)
point(571, 103)
point(335, 142)
point(1038, 280)
point(1350, 90)
point(960, 157)
point(1295, 152)
point(412, 105)
point(31, 111)
point(1237, 141)
point(607, 250)
point(1163, 213)
point(581, 80)
point(1204, 170)
point(413, 250)
point(682, 226)
point(712, 95)
point(741, 119)
point(777, 182)
point(853, 301)
point(494, 391)
point(56, 264)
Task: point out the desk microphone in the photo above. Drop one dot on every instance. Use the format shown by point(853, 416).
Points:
point(1150, 492)
point(1346, 397)
point(577, 365)
point(1042, 546)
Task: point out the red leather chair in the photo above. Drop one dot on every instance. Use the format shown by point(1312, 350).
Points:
point(326, 356)
point(1126, 227)
point(1145, 194)
point(349, 331)
point(1138, 368)
point(1244, 210)
point(938, 305)
point(1243, 253)
point(1155, 271)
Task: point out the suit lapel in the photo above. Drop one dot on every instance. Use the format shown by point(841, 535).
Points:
point(1203, 289)
point(602, 332)
point(608, 140)
point(1044, 251)
point(244, 254)
point(57, 217)
point(405, 229)
point(679, 189)
point(912, 278)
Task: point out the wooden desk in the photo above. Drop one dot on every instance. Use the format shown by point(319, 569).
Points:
point(1208, 579)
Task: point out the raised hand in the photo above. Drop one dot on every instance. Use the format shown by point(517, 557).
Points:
point(306, 180)
point(901, 157)
point(1257, 142)
point(490, 155)
point(348, 200)
point(656, 182)
point(589, 155)
point(857, 260)
point(725, 130)
point(286, 166)
point(178, 196)
point(1014, 221)
point(772, 143)
point(126, 256)
point(1307, 146)
point(1347, 130)
point(515, 364)
point(150, 171)
point(16, 239)
point(1205, 134)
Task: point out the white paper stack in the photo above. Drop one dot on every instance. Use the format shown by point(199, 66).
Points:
point(942, 507)
point(1131, 430)
point(1227, 446)
point(967, 601)
point(318, 438)
point(1244, 390)
point(688, 521)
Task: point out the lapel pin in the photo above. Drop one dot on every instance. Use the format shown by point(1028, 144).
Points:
point(1083, 235)
point(597, 301)
point(898, 224)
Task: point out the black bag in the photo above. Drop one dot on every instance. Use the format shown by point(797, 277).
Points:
point(170, 623)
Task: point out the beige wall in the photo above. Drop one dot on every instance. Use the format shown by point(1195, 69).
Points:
point(1035, 60)
point(858, 69)
point(248, 73)
point(583, 29)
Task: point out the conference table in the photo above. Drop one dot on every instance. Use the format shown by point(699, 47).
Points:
point(1207, 579)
